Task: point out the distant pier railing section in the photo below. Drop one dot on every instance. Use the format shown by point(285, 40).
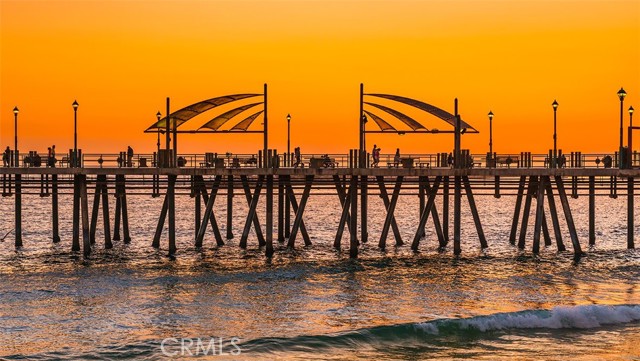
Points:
point(255, 160)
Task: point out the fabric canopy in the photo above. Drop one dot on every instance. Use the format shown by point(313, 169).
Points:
point(381, 122)
point(243, 125)
point(403, 117)
point(186, 113)
point(217, 122)
point(442, 114)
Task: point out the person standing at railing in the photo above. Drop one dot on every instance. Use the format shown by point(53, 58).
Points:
point(129, 156)
point(376, 156)
point(396, 158)
point(5, 156)
point(298, 157)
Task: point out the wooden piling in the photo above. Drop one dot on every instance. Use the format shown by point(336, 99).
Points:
point(527, 209)
point(353, 242)
point(474, 213)
point(229, 207)
point(554, 215)
point(84, 203)
point(457, 199)
point(94, 210)
point(516, 212)
point(18, 211)
point(445, 209)
point(364, 236)
point(630, 215)
point(105, 214)
point(161, 219)
point(390, 210)
point(577, 250)
point(434, 215)
point(592, 210)
point(125, 213)
point(303, 228)
point(54, 208)
point(269, 220)
point(116, 221)
point(346, 206)
point(75, 243)
point(209, 216)
point(425, 213)
point(394, 226)
point(539, 216)
point(300, 209)
point(281, 200)
point(421, 201)
point(171, 205)
point(251, 216)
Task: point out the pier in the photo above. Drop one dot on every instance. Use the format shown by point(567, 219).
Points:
point(285, 181)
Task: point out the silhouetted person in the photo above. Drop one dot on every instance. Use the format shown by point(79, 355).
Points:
point(5, 157)
point(376, 156)
point(396, 158)
point(129, 156)
point(298, 157)
point(53, 156)
point(450, 159)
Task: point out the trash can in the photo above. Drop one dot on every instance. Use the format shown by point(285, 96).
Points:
point(142, 162)
point(407, 162)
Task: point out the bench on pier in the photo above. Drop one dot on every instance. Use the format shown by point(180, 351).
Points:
point(423, 165)
point(245, 162)
point(404, 162)
point(507, 160)
point(323, 162)
point(64, 161)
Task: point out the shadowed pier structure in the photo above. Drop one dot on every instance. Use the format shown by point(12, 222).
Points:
point(294, 186)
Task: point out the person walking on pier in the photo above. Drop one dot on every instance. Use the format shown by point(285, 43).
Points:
point(396, 158)
point(376, 156)
point(5, 157)
point(129, 156)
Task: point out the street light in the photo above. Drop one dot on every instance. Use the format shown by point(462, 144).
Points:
point(491, 137)
point(621, 95)
point(15, 145)
point(158, 115)
point(75, 133)
point(289, 138)
point(555, 136)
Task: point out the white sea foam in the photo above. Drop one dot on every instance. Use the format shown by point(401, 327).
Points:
point(581, 317)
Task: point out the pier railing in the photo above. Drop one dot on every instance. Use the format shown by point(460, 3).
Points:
point(412, 160)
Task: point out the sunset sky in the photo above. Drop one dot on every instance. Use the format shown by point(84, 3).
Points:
point(121, 59)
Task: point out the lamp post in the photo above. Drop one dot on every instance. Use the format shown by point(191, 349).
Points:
point(158, 115)
point(491, 137)
point(15, 145)
point(289, 138)
point(631, 134)
point(554, 163)
point(621, 95)
point(75, 133)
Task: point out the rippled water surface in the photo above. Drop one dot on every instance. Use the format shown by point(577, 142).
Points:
point(133, 302)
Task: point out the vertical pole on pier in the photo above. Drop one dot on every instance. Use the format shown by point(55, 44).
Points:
point(577, 250)
point(445, 210)
point(269, 221)
point(539, 216)
point(554, 215)
point(527, 209)
point(363, 208)
point(75, 244)
point(474, 212)
point(105, 214)
point(84, 203)
point(171, 204)
point(361, 124)
point(516, 212)
point(353, 242)
point(281, 200)
point(457, 198)
point(18, 210)
point(630, 186)
point(125, 213)
point(54, 207)
point(592, 210)
point(116, 221)
point(160, 226)
point(229, 207)
point(94, 211)
point(266, 130)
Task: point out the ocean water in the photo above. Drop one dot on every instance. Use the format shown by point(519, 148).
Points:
point(314, 303)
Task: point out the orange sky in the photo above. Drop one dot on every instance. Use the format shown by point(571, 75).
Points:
point(121, 59)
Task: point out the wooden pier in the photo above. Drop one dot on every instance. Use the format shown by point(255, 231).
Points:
point(292, 187)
